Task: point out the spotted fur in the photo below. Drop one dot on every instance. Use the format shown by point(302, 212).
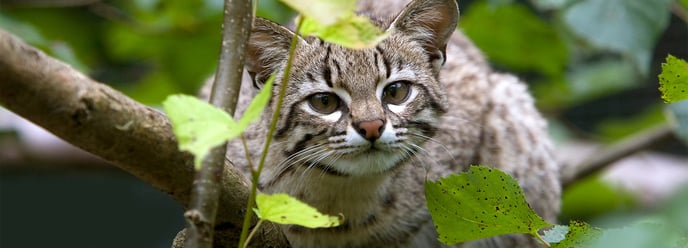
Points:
point(369, 158)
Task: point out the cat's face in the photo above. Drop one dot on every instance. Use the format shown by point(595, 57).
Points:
point(358, 112)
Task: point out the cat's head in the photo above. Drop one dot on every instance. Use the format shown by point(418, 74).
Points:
point(358, 112)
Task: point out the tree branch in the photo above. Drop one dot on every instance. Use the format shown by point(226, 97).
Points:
point(106, 123)
point(621, 149)
point(236, 27)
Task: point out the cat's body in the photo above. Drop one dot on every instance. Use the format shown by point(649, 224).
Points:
point(340, 103)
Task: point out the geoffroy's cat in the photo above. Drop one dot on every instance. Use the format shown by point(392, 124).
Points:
point(361, 130)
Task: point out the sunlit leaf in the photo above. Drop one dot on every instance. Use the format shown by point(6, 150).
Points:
point(255, 108)
point(673, 81)
point(284, 209)
point(353, 32)
point(326, 12)
point(198, 125)
point(480, 203)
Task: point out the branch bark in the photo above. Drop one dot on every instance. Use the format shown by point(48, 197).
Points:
point(236, 27)
point(107, 123)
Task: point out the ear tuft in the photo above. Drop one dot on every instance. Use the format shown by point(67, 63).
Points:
point(268, 48)
point(431, 22)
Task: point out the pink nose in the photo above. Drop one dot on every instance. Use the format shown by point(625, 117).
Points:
point(371, 130)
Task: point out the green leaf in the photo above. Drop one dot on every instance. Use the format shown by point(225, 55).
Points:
point(579, 234)
point(627, 27)
point(673, 81)
point(255, 108)
point(335, 21)
point(512, 35)
point(284, 209)
point(198, 125)
point(556, 234)
point(326, 12)
point(352, 32)
point(480, 203)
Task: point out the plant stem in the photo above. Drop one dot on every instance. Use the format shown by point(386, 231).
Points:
point(268, 139)
point(250, 235)
point(537, 235)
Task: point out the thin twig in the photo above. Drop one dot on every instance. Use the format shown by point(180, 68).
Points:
point(619, 150)
point(268, 138)
point(236, 27)
point(107, 123)
point(679, 11)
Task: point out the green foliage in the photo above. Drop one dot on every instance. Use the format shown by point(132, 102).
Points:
point(200, 126)
point(579, 234)
point(673, 81)
point(480, 203)
point(592, 198)
point(627, 27)
point(335, 21)
point(678, 114)
point(284, 209)
point(516, 38)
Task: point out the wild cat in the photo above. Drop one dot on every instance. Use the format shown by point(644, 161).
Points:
point(360, 131)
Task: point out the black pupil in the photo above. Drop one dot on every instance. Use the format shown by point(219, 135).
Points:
point(324, 102)
point(324, 99)
point(392, 90)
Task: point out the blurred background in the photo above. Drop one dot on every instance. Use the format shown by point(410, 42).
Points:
point(591, 64)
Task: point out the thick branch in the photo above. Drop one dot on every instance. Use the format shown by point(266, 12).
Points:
point(204, 196)
point(108, 124)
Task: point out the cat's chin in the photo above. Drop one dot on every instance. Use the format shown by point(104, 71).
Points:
point(367, 163)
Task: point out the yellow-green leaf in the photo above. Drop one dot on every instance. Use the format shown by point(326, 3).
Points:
point(198, 125)
point(352, 31)
point(327, 12)
point(673, 81)
point(284, 209)
point(255, 108)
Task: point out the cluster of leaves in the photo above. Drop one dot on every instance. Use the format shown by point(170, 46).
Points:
point(588, 53)
point(199, 126)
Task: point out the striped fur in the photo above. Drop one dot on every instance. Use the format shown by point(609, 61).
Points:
point(459, 112)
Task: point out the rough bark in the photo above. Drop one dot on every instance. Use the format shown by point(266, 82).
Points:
point(104, 122)
point(238, 17)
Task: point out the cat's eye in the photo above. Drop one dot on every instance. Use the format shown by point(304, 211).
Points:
point(324, 103)
point(396, 92)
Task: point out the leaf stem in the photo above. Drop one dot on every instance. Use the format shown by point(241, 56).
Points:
point(250, 235)
point(268, 139)
point(537, 235)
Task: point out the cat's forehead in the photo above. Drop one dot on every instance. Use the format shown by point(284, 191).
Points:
point(339, 66)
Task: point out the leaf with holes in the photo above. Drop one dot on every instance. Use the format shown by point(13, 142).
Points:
point(480, 203)
point(284, 209)
point(673, 81)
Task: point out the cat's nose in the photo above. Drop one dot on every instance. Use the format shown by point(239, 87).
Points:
point(370, 130)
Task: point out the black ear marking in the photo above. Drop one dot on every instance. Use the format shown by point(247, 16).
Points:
point(268, 48)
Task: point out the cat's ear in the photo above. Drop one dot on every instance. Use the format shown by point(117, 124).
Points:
point(268, 48)
point(431, 22)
